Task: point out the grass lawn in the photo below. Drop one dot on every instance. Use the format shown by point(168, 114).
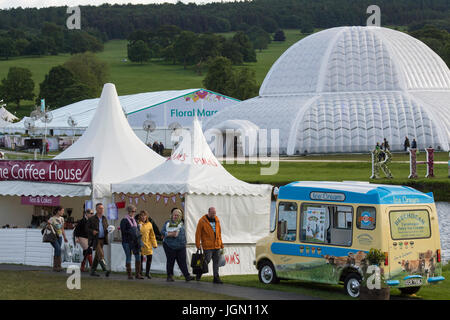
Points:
point(30, 285)
point(440, 291)
point(341, 171)
point(131, 78)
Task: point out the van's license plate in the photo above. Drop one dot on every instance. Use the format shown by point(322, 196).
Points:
point(413, 282)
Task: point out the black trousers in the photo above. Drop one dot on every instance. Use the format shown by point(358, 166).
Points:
point(148, 263)
point(179, 256)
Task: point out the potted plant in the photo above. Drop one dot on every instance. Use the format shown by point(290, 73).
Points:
point(373, 286)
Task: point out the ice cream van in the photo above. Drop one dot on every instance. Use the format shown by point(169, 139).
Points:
point(322, 232)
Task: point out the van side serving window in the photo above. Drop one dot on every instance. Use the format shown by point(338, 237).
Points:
point(326, 223)
point(366, 218)
point(410, 224)
point(287, 221)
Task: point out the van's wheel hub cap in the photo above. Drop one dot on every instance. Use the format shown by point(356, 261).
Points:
point(267, 274)
point(353, 287)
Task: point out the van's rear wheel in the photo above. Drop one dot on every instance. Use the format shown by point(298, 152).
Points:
point(409, 290)
point(267, 273)
point(352, 285)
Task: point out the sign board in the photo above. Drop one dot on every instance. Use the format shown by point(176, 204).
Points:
point(315, 224)
point(56, 171)
point(201, 104)
point(410, 224)
point(40, 201)
point(327, 196)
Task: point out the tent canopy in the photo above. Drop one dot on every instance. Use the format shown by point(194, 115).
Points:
point(192, 168)
point(6, 115)
point(118, 153)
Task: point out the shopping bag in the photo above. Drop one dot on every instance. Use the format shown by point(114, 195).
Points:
point(197, 259)
point(68, 252)
point(77, 254)
point(222, 261)
point(49, 234)
point(198, 263)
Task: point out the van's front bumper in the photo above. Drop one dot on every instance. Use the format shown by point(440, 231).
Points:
point(393, 283)
point(435, 279)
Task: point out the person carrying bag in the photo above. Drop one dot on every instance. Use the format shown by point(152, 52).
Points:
point(198, 263)
point(48, 234)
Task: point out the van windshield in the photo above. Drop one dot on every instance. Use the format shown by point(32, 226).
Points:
point(410, 224)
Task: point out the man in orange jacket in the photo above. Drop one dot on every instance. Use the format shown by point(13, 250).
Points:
point(209, 238)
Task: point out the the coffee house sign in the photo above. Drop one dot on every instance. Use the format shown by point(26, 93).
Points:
point(56, 171)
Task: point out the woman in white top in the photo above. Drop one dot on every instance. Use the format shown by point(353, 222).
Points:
point(57, 223)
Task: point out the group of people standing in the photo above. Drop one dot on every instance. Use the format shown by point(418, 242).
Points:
point(407, 144)
point(157, 147)
point(139, 238)
point(91, 233)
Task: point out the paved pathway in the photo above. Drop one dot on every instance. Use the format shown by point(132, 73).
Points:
point(226, 289)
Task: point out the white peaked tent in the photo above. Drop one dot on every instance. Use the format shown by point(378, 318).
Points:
point(118, 153)
point(193, 171)
point(6, 115)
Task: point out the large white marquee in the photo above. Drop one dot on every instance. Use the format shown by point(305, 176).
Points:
point(345, 89)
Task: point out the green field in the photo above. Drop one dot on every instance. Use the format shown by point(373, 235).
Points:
point(341, 171)
point(131, 78)
point(33, 285)
point(40, 285)
point(439, 291)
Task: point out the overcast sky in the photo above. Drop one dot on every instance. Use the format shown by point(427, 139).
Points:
point(4, 4)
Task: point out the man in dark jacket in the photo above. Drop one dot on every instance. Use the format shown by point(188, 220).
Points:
point(155, 146)
point(98, 237)
point(406, 144)
point(161, 148)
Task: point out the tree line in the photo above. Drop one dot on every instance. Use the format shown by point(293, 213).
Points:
point(118, 21)
point(50, 39)
point(172, 44)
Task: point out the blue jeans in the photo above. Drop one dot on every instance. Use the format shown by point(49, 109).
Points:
point(127, 249)
point(57, 246)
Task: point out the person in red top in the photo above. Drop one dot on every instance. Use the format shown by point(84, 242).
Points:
point(209, 238)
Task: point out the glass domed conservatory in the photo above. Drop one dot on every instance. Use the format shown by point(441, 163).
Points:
point(345, 89)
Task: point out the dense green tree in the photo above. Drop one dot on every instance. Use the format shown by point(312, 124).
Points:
point(138, 51)
point(7, 48)
point(306, 25)
point(55, 36)
point(80, 41)
point(219, 76)
point(60, 88)
point(279, 35)
point(21, 46)
point(88, 70)
point(246, 47)
point(437, 39)
point(184, 48)
point(37, 46)
point(18, 85)
point(243, 84)
point(208, 46)
point(231, 50)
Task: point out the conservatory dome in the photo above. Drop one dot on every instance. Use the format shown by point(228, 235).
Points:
point(344, 89)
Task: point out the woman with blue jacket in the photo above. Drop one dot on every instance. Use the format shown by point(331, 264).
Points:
point(174, 244)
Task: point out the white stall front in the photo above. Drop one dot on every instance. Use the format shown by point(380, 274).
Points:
point(194, 178)
point(117, 153)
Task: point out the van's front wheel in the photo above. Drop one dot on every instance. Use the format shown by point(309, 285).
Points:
point(352, 285)
point(409, 290)
point(267, 273)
